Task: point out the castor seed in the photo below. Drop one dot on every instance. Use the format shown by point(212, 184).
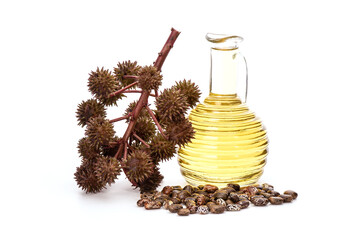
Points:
point(183, 212)
point(234, 196)
point(190, 199)
point(210, 188)
point(201, 187)
point(175, 207)
point(221, 194)
point(220, 201)
point(177, 188)
point(242, 196)
point(191, 203)
point(228, 201)
point(251, 190)
point(192, 208)
point(167, 203)
point(228, 189)
point(152, 205)
point(201, 200)
point(183, 194)
point(203, 209)
point(268, 186)
point(188, 188)
point(167, 190)
point(266, 195)
point(142, 202)
point(244, 203)
point(202, 192)
point(275, 200)
point(175, 193)
point(292, 193)
point(217, 209)
point(234, 186)
point(260, 201)
point(233, 207)
point(286, 197)
point(209, 204)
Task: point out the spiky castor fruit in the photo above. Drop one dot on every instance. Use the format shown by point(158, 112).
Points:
point(139, 166)
point(107, 169)
point(161, 149)
point(86, 150)
point(180, 133)
point(171, 106)
point(111, 149)
point(149, 78)
point(101, 83)
point(145, 128)
point(87, 180)
point(126, 68)
point(88, 109)
point(152, 182)
point(190, 90)
point(99, 132)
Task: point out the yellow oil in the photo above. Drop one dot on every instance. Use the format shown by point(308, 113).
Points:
point(229, 146)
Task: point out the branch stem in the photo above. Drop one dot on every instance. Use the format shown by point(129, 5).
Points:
point(140, 139)
point(122, 89)
point(156, 122)
point(119, 119)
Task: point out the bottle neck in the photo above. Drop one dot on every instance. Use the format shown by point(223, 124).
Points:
point(223, 71)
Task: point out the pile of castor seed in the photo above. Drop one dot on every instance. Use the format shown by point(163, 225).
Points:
point(209, 198)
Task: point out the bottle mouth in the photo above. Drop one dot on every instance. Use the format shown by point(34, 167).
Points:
point(224, 41)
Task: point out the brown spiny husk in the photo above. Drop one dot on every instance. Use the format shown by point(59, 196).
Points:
point(149, 78)
point(87, 180)
point(107, 169)
point(145, 128)
point(99, 132)
point(152, 182)
point(101, 83)
point(139, 166)
point(171, 106)
point(190, 90)
point(126, 68)
point(161, 149)
point(180, 133)
point(86, 150)
point(88, 109)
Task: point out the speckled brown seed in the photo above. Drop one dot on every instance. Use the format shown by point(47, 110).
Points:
point(286, 197)
point(203, 209)
point(175, 207)
point(233, 207)
point(292, 193)
point(167, 203)
point(193, 208)
point(188, 188)
point(220, 201)
point(234, 196)
point(152, 205)
point(167, 190)
point(183, 194)
point(141, 202)
point(228, 189)
point(244, 203)
point(275, 200)
point(234, 186)
point(217, 209)
point(183, 212)
point(221, 194)
point(261, 201)
point(210, 188)
point(201, 200)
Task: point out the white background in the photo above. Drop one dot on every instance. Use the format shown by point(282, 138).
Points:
point(301, 57)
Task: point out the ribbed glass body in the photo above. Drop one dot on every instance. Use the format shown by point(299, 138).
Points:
point(230, 142)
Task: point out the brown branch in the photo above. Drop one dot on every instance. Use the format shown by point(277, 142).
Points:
point(156, 122)
point(130, 77)
point(120, 118)
point(125, 150)
point(138, 91)
point(140, 139)
point(142, 102)
point(166, 48)
point(122, 89)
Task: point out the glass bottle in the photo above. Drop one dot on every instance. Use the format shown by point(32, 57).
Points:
point(230, 142)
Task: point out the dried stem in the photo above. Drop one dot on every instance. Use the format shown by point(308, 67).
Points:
point(120, 118)
point(125, 150)
point(156, 122)
point(140, 139)
point(166, 48)
point(138, 91)
point(122, 89)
